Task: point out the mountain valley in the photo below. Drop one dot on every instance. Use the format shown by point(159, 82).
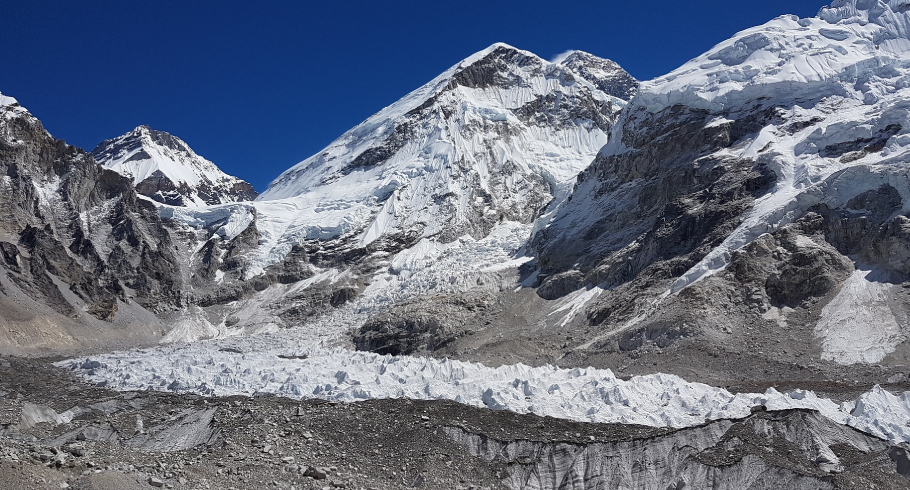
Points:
point(567, 278)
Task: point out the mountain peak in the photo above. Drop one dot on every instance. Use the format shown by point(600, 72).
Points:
point(605, 74)
point(7, 101)
point(487, 145)
point(164, 168)
point(495, 50)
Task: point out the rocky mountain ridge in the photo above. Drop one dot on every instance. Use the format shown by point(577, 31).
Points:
point(716, 201)
point(86, 261)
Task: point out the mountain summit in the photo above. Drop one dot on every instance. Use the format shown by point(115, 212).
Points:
point(494, 138)
point(164, 168)
point(605, 74)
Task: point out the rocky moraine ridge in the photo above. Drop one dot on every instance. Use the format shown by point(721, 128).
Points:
point(743, 221)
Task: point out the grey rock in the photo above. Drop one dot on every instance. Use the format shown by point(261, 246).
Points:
point(316, 473)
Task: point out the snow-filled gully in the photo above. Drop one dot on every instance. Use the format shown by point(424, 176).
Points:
point(588, 395)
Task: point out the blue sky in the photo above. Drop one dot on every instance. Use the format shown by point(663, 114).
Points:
point(258, 86)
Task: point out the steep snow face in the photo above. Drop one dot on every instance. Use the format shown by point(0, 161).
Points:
point(492, 139)
point(851, 41)
point(166, 169)
point(821, 102)
point(840, 81)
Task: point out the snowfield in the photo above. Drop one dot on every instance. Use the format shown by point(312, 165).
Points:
point(589, 395)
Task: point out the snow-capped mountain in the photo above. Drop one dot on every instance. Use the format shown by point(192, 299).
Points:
point(164, 168)
point(454, 177)
point(762, 185)
point(492, 139)
point(743, 221)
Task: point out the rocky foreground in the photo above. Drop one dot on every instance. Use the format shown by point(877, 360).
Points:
point(57, 432)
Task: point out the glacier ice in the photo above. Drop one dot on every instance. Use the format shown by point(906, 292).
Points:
point(589, 395)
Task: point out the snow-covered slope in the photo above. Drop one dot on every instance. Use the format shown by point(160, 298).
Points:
point(842, 81)
point(850, 41)
point(494, 138)
point(436, 193)
point(166, 169)
point(776, 164)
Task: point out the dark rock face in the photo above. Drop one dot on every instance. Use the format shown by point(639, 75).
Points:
point(659, 207)
point(810, 258)
point(494, 69)
point(606, 75)
point(791, 267)
point(75, 228)
point(425, 325)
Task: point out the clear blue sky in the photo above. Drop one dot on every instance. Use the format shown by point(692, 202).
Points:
point(258, 86)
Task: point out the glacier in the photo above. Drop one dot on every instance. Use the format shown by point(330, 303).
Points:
point(271, 365)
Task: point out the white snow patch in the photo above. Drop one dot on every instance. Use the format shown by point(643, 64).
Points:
point(857, 326)
point(718, 121)
point(575, 302)
point(7, 100)
point(190, 326)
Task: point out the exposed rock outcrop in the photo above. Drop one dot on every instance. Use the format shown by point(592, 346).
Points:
point(75, 236)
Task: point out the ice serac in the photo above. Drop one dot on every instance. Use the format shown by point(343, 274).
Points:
point(164, 168)
point(776, 161)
